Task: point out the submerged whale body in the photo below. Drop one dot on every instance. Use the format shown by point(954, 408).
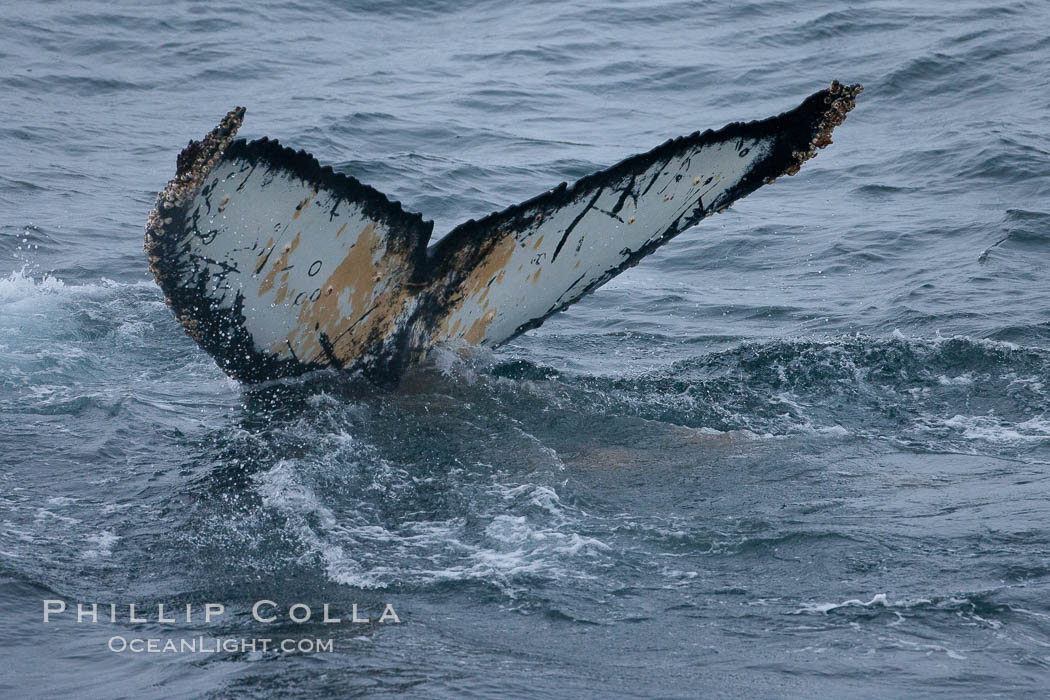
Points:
point(276, 265)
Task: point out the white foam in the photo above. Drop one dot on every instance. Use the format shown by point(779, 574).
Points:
point(879, 599)
point(1034, 384)
point(532, 534)
point(928, 648)
point(962, 380)
point(43, 514)
point(990, 428)
point(103, 545)
point(22, 285)
point(540, 496)
point(18, 285)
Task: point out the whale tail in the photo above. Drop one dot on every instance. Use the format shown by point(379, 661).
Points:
point(276, 265)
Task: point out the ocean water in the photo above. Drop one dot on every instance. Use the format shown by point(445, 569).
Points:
point(801, 451)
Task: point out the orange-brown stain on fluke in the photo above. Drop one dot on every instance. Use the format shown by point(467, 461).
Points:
point(476, 333)
point(353, 298)
point(279, 265)
point(354, 274)
point(475, 288)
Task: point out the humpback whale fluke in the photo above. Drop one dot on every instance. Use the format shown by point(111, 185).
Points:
point(276, 265)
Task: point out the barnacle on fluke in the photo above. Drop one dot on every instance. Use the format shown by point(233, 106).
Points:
point(276, 265)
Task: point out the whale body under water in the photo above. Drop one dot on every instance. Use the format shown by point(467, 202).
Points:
point(277, 266)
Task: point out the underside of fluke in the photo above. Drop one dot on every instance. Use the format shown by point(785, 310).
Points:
point(276, 265)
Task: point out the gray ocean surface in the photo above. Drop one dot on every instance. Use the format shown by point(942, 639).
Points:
point(803, 450)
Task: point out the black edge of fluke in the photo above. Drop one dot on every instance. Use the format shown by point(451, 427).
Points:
point(220, 332)
point(413, 229)
point(800, 133)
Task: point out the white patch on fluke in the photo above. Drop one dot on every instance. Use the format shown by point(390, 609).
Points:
point(554, 262)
